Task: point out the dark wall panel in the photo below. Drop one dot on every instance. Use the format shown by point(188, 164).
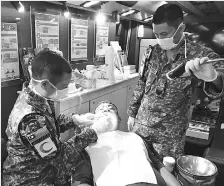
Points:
point(132, 44)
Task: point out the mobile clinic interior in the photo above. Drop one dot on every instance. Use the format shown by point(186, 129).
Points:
point(105, 43)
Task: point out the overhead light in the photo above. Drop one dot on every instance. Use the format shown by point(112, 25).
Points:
point(148, 19)
point(67, 14)
point(18, 6)
point(218, 38)
point(89, 3)
point(128, 12)
point(100, 18)
point(116, 17)
point(65, 10)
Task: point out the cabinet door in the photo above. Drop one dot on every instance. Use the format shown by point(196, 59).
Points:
point(119, 98)
point(83, 109)
point(94, 103)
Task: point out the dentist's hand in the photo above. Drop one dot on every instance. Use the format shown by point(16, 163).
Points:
point(85, 120)
point(131, 122)
point(102, 125)
point(201, 70)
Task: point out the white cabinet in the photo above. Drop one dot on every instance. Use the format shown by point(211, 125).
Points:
point(119, 98)
point(83, 108)
point(94, 103)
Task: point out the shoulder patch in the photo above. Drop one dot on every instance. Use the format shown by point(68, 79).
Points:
point(34, 133)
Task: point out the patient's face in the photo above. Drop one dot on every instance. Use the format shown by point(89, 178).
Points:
point(105, 107)
point(107, 112)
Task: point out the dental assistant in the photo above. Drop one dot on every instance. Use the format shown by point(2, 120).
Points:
point(160, 107)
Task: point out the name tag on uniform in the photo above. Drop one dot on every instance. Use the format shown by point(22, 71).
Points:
point(42, 142)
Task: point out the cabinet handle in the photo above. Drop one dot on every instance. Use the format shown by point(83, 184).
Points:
point(93, 102)
point(129, 88)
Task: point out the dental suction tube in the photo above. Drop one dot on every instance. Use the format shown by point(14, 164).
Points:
point(180, 69)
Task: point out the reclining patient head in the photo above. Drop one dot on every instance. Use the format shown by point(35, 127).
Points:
point(110, 111)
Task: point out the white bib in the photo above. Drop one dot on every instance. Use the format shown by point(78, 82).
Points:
point(120, 158)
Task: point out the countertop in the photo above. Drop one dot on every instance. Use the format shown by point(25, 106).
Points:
point(88, 91)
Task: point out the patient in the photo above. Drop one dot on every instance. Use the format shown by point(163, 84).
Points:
point(121, 158)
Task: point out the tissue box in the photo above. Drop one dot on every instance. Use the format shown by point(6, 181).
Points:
point(129, 67)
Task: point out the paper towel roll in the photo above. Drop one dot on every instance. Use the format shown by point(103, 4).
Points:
point(109, 63)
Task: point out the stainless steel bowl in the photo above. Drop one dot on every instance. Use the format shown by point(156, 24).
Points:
point(196, 166)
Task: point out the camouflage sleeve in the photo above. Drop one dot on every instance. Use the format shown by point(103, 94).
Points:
point(140, 88)
point(216, 90)
point(81, 140)
point(136, 100)
point(65, 123)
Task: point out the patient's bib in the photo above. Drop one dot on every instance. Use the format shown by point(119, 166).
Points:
point(120, 158)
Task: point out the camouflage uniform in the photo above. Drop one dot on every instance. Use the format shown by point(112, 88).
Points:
point(33, 116)
point(160, 106)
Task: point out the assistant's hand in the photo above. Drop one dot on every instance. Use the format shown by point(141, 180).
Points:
point(201, 70)
point(131, 122)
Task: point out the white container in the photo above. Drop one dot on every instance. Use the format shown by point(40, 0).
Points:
point(169, 163)
point(109, 63)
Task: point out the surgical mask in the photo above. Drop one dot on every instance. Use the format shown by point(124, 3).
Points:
point(58, 93)
point(167, 43)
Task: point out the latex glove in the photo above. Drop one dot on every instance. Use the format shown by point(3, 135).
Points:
point(90, 116)
point(131, 122)
point(84, 120)
point(102, 125)
point(205, 72)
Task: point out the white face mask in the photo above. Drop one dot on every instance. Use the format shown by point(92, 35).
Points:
point(58, 93)
point(167, 43)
